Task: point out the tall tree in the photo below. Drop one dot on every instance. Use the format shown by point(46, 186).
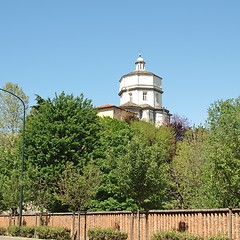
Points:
point(11, 122)
point(188, 168)
point(11, 114)
point(224, 124)
point(60, 130)
point(113, 136)
point(142, 171)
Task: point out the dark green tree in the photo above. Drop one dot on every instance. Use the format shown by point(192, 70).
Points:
point(60, 130)
point(142, 171)
point(112, 139)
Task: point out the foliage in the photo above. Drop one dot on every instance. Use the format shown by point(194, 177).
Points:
point(27, 231)
point(175, 235)
point(113, 136)
point(60, 130)
point(218, 237)
point(188, 168)
point(224, 151)
point(3, 231)
point(180, 126)
point(106, 234)
point(11, 123)
point(43, 232)
point(13, 230)
point(77, 188)
point(57, 233)
point(11, 113)
point(141, 173)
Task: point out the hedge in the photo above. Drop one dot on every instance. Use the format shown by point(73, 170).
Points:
point(106, 234)
point(175, 235)
point(3, 231)
point(43, 232)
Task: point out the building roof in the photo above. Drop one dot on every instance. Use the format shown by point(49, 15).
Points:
point(106, 106)
point(138, 73)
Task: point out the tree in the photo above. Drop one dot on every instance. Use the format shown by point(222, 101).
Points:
point(224, 152)
point(11, 114)
point(76, 188)
point(188, 169)
point(180, 126)
point(141, 172)
point(113, 136)
point(60, 130)
point(11, 117)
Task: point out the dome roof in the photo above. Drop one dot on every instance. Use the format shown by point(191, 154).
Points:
point(140, 59)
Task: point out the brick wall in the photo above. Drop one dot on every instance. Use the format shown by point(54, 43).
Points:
point(202, 222)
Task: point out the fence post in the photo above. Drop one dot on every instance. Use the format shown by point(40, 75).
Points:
point(230, 222)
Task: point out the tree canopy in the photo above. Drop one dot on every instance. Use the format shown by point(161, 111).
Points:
point(60, 130)
point(76, 160)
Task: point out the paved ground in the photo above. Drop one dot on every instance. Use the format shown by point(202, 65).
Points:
point(15, 238)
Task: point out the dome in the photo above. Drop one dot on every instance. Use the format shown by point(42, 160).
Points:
point(140, 59)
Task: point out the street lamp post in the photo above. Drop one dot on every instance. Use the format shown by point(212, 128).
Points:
point(22, 167)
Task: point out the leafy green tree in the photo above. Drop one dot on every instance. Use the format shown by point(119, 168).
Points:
point(224, 125)
point(141, 173)
point(11, 114)
point(76, 188)
point(188, 169)
point(11, 122)
point(113, 136)
point(60, 130)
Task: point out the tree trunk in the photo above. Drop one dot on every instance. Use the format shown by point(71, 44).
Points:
point(78, 232)
point(132, 225)
point(138, 216)
point(85, 225)
point(73, 226)
point(146, 225)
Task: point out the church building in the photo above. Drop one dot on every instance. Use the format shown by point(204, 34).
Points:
point(141, 93)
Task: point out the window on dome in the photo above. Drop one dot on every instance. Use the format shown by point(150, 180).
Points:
point(144, 96)
point(157, 97)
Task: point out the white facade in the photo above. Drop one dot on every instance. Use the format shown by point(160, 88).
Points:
point(141, 92)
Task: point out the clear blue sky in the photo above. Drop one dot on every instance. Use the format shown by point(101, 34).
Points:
point(50, 46)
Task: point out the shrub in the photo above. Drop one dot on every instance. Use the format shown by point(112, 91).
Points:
point(174, 235)
point(43, 232)
point(3, 231)
point(13, 230)
point(27, 231)
point(218, 237)
point(106, 234)
point(57, 233)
